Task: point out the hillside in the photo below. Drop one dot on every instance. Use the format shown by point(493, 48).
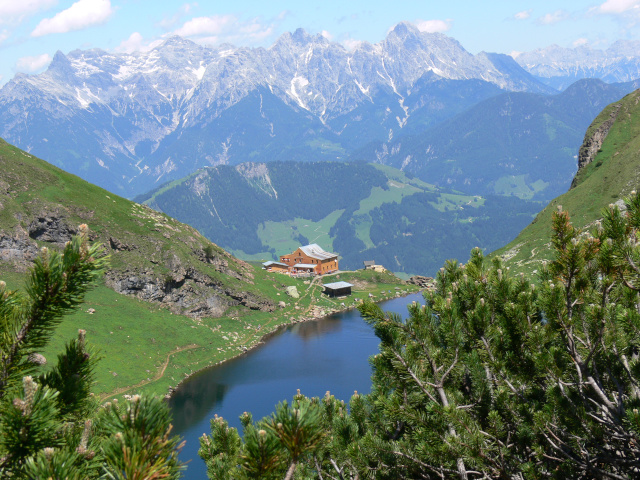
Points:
point(172, 301)
point(362, 211)
point(154, 257)
point(609, 170)
point(516, 143)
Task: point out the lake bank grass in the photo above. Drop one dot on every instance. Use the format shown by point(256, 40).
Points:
point(145, 349)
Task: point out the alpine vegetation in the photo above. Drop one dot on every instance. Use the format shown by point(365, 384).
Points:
point(51, 425)
point(497, 376)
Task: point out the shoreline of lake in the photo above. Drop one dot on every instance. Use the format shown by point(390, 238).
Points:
point(261, 341)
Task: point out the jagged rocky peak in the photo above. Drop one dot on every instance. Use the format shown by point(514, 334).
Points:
point(290, 42)
point(410, 36)
point(404, 31)
point(301, 38)
point(177, 42)
point(60, 65)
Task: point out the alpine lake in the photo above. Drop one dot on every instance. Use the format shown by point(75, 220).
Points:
point(329, 354)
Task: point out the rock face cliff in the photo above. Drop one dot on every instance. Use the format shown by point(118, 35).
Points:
point(593, 141)
point(153, 257)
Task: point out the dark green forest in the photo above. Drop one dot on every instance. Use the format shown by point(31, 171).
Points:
point(414, 234)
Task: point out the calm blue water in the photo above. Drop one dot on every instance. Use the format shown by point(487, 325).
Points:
point(329, 354)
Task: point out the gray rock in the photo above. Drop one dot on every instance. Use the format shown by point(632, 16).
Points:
point(51, 229)
point(292, 291)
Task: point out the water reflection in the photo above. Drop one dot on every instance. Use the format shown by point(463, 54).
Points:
point(192, 402)
point(309, 330)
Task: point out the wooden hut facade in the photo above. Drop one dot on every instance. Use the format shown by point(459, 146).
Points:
point(323, 262)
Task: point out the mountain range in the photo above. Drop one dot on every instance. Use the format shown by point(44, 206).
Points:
point(559, 67)
point(515, 143)
point(129, 122)
point(132, 121)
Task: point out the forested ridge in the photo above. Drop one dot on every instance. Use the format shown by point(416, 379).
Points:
point(363, 213)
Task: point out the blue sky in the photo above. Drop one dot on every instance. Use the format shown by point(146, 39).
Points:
point(31, 31)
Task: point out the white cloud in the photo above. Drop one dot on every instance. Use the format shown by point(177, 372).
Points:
point(515, 54)
point(33, 64)
point(579, 42)
point(12, 10)
point(136, 43)
point(4, 34)
point(326, 35)
point(433, 26)
point(131, 44)
point(351, 44)
point(214, 25)
point(619, 6)
point(226, 28)
point(80, 15)
point(551, 18)
point(523, 15)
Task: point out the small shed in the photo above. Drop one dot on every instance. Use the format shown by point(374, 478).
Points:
point(368, 264)
point(275, 267)
point(337, 289)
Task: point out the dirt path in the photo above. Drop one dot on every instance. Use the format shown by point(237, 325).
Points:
point(156, 377)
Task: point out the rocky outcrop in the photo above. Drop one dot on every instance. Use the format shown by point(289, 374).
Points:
point(17, 248)
point(183, 288)
point(119, 246)
point(185, 291)
point(593, 142)
point(51, 228)
point(423, 282)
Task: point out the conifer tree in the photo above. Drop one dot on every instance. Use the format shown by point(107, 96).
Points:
point(495, 376)
point(51, 426)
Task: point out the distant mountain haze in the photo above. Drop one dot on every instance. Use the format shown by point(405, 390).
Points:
point(129, 122)
point(559, 67)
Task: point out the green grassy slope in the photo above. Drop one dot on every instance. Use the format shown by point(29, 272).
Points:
point(37, 195)
point(612, 174)
point(147, 346)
